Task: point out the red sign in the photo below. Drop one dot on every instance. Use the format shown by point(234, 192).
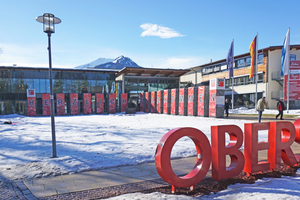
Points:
point(281, 136)
point(112, 102)
point(146, 101)
point(294, 89)
point(74, 103)
point(123, 102)
point(153, 102)
point(191, 100)
point(31, 106)
point(141, 101)
point(201, 101)
point(46, 104)
point(99, 103)
point(181, 102)
point(60, 104)
point(87, 103)
point(173, 101)
point(158, 101)
point(212, 103)
point(165, 103)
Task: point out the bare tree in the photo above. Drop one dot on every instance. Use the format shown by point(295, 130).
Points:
point(1, 50)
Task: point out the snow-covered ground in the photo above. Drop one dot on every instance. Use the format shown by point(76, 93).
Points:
point(88, 142)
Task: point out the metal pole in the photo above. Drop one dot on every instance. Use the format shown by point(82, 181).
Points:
point(51, 99)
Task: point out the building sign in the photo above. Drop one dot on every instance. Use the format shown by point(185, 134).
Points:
point(74, 103)
point(112, 102)
point(87, 103)
point(153, 107)
point(216, 97)
point(99, 103)
point(181, 102)
point(158, 101)
point(60, 103)
point(294, 90)
point(281, 135)
point(146, 102)
point(191, 91)
point(123, 102)
point(165, 103)
point(46, 104)
point(173, 101)
point(31, 102)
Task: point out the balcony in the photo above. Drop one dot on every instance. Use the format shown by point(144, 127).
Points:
point(276, 95)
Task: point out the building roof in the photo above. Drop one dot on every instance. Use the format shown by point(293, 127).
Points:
point(152, 72)
point(271, 48)
point(61, 69)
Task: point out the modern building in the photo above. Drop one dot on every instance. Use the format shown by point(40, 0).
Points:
point(269, 82)
point(137, 80)
point(14, 81)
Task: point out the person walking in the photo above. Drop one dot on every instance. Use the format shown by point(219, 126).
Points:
point(226, 107)
point(280, 108)
point(260, 107)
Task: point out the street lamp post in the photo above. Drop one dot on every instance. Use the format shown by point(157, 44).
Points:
point(49, 21)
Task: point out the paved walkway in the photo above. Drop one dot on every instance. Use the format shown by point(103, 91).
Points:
point(92, 184)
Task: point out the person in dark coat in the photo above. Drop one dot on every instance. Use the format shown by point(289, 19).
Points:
point(280, 108)
point(226, 106)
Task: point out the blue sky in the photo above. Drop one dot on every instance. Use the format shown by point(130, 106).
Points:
point(157, 33)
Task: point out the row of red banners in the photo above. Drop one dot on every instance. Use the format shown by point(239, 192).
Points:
point(74, 104)
point(186, 99)
point(162, 107)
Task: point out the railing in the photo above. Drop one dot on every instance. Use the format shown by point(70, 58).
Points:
point(276, 75)
point(277, 94)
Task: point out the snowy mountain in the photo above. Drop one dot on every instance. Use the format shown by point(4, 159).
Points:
point(118, 63)
point(99, 61)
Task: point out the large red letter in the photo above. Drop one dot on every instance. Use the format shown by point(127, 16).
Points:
point(163, 154)
point(280, 146)
point(219, 151)
point(252, 147)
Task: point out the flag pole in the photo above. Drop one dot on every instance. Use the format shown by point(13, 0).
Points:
point(256, 68)
point(288, 85)
point(232, 78)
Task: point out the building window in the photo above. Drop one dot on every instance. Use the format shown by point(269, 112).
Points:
point(240, 63)
point(292, 57)
point(248, 62)
point(260, 59)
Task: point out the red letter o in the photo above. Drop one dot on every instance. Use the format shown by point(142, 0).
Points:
point(163, 157)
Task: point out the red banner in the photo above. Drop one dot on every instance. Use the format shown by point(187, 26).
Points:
point(153, 102)
point(112, 102)
point(165, 103)
point(294, 89)
point(100, 103)
point(60, 104)
point(173, 101)
point(146, 101)
point(31, 107)
point(74, 103)
point(158, 101)
point(46, 104)
point(124, 102)
point(201, 101)
point(87, 103)
point(181, 102)
point(191, 101)
point(212, 103)
point(141, 101)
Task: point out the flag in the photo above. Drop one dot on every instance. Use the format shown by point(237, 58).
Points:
point(229, 60)
point(285, 55)
point(253, 53)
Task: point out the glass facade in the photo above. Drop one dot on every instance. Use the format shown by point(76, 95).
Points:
point(138, 85)
point(15, 81)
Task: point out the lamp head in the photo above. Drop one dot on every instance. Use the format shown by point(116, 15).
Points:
point(48, 21)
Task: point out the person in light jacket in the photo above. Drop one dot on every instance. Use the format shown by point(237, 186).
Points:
point(260, 107)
